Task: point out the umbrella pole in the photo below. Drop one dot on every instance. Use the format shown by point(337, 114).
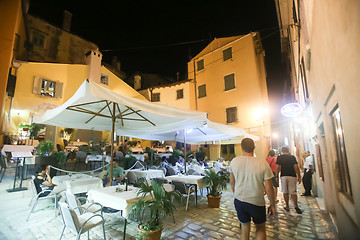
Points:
point(112, 145)
point(185, 149)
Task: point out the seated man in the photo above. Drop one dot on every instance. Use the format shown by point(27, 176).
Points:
point(118, 175)
point(43, 181)
point(220, 166)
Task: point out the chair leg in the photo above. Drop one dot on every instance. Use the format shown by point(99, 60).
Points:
point(88, 235)
point(32, 209)
point(31, 200)
point(187, 202)
point(56, 204)
point(104, 230)
point(62, 232)
point(2, 174)
point(78, 236)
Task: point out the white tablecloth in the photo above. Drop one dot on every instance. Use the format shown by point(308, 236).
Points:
point(108, 197)
point(17, 148)
point(78, 183)
point(147, 174)
point(137, 156)
point(189, 179)
point(167, 155)
point(97, 158)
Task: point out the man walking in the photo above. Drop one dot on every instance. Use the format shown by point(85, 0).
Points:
point(308, 172)
point(290, 173)
point(248, 174)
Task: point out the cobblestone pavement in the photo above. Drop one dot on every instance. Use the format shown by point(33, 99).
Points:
point(197, 223)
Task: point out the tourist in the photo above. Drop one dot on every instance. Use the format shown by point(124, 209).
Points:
point(248, 175)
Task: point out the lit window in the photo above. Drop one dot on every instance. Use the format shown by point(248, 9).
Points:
point(229, 81)
point(200, 65)
point(156, 97)
point(227, 54)
point(202, 91)
point(231, 115)
point(341, 164)
point(48, 88)
point(180, 94)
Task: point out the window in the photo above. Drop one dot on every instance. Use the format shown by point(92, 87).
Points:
point(227, 54)
point(38, 38)
point(200, 65)
point(104, 79)
point(180, 94)
point(53, 49)
point(156, 97)
point(231, 115)
point(341, 163)
point(224, 149)
point(48, 88)
point(202, 91)
point(229, 81)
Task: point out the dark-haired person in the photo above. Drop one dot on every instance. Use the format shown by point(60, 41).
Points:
point(290, 174)
point(43, 182)
point(248, 175)
point(271, 160)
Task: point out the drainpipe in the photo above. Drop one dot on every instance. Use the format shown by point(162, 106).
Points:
point(195, 85)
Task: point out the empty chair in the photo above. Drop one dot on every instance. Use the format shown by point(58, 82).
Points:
point(184, 190)
point(169, 188)
point(131, 177)
point(59, 148)
point(170, 171)
point(79, 223)
point(79, 209)
point(190, 171)
point(160, 180)
point(164, 170)
point(39, 195)
point(119, 155)
point(80, 158)
point(65, 142)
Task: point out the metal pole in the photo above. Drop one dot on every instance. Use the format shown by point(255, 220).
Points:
point(185, 149)
point(112, 144)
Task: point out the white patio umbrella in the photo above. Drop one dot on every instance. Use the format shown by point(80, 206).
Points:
point(98, 108)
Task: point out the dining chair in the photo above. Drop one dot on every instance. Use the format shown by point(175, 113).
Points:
point(44, 194)
point(184, 190)
point(79, 223)
point(80, 158)
point(190, 171)
point(3, 166)
point(75, 204)
point(170, 171)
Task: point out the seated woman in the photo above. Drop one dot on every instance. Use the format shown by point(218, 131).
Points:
point(43, 181)
point(118, 175)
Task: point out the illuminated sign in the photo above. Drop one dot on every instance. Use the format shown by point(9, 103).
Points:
point(291, 110)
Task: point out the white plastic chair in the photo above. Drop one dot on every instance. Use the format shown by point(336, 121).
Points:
point(79, 209)
point(38, 196)
point(79, 224)
point(169, 188)
point(183, 189)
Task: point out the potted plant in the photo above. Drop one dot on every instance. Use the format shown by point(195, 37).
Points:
point(216, 183)
point(150, 211)
point(48, 156)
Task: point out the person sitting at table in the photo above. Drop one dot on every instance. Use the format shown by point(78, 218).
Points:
point(139, 145)
point(118, 175)
point(203, 163)
point(43, 181)
point(220, 166)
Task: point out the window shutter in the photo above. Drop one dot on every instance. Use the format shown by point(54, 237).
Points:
point(229, 81)
point(58, 89)
point(37, 85)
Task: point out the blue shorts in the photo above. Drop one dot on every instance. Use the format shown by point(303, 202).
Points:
point(247, 211)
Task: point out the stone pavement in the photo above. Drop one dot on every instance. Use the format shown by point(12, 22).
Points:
point(196, 223)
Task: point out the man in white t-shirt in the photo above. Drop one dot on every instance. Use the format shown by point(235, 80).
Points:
point(308, 172)
point(248, 175)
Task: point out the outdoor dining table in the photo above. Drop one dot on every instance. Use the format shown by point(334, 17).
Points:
point(147, 174)
point(122, 201)
point(195, 180)
point(97, 158)
point(78, 183)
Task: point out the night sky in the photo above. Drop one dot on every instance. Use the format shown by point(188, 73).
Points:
point(161, 36)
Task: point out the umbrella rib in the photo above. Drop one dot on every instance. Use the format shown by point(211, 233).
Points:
point(201, 131)
point(82, 104)
point(141, 116)
point(98, 113)
point(86, 111)
point(122, 121)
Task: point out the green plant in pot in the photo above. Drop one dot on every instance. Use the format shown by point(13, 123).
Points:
point(154, 205)
point(216, 182)
point(48, 156)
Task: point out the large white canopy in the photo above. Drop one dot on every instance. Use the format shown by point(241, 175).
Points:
point(207, 133)
point(94, 107)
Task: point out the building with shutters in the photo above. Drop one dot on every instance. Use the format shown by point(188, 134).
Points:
point(227, 79)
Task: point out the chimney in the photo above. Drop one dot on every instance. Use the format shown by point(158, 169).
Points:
point(116, 64)
point(93, 60)
point(67, 20)
point(137, 82)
